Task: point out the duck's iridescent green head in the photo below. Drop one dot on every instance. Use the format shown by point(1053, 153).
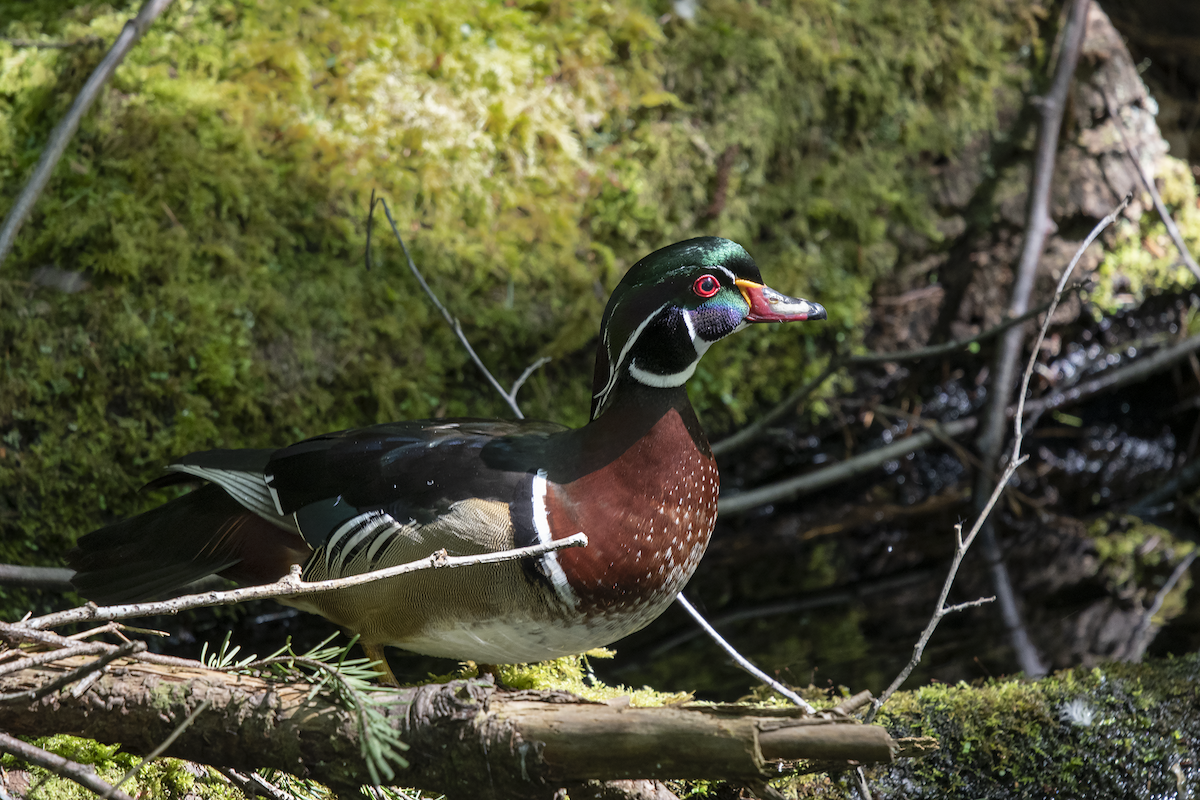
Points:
point(673, 304)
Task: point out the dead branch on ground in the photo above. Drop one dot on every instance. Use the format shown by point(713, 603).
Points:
point(460, 735)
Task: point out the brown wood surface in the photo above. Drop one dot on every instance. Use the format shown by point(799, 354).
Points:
point(523, 744)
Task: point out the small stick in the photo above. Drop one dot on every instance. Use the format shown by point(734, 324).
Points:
point(757, 428)
point(453, 323)
point(292, 586)
point(180, 728)
point(30, 695)
point(1159, 597)
point(252, 783)
point(741, 660)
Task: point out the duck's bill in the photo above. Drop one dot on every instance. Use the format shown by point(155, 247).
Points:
point(768, 305)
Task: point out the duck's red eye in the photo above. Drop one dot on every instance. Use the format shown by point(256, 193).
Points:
point(706, 286)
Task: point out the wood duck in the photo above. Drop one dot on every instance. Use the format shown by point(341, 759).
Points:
point(638, 479)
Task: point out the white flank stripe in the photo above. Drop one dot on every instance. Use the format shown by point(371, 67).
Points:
point(541, 523)
point(357, 529)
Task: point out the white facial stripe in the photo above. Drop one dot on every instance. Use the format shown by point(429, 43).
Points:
point(732, 277)
point(541, 524)
point(691, 327)
point(614, 365)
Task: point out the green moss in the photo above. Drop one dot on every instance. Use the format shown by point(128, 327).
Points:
point(167, 778)
point(569, 674)
point(1111, 731)
point(1137, 558)
point(1143, 260)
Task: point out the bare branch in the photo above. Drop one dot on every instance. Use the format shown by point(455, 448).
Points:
point(450, 320)
point(84, 775)
point(162, 748)
point(461, 735)
point(739, 659)
point(1015, 461)
point(36, 577)
point(756, 429)
point(1018, 432)
point(292, 586)
point(1037, 228)
point(933, 351)
point(842, 471)
point(30, 695)
point(65, 130)
point(1140, 639)
point(252, 784)
point(1115, 378)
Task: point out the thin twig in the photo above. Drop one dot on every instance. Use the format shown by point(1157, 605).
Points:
point(1018, 424)
point(756, 429)
point(1160, 498)
point(741, 660)
point(292, 586)
point(933, 351)
point(82, 774)
point(1148, 182)
point(65, 130)
point(450, 320)
point(89, 649)
point(1015, 460)
point(36, 577)
point(158, 751)
point(841, 471)
point(252, 784)
point(520, 381)
point(1138, 640)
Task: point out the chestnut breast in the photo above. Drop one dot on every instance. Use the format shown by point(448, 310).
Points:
point(648, 515)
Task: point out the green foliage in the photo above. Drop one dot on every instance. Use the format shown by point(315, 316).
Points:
point(215, 202)
point(351, 682)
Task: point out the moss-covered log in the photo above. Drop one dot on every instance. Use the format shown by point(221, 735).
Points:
point(1113, 731)
point(459, 736)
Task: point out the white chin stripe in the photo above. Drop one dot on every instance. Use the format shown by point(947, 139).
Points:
point(541, 523)
point(661, 381)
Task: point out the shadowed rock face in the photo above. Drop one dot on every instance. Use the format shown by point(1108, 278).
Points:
point(1164, 40)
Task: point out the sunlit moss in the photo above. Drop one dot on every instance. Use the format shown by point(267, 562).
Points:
point(167, 778)
point(1143, 259)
